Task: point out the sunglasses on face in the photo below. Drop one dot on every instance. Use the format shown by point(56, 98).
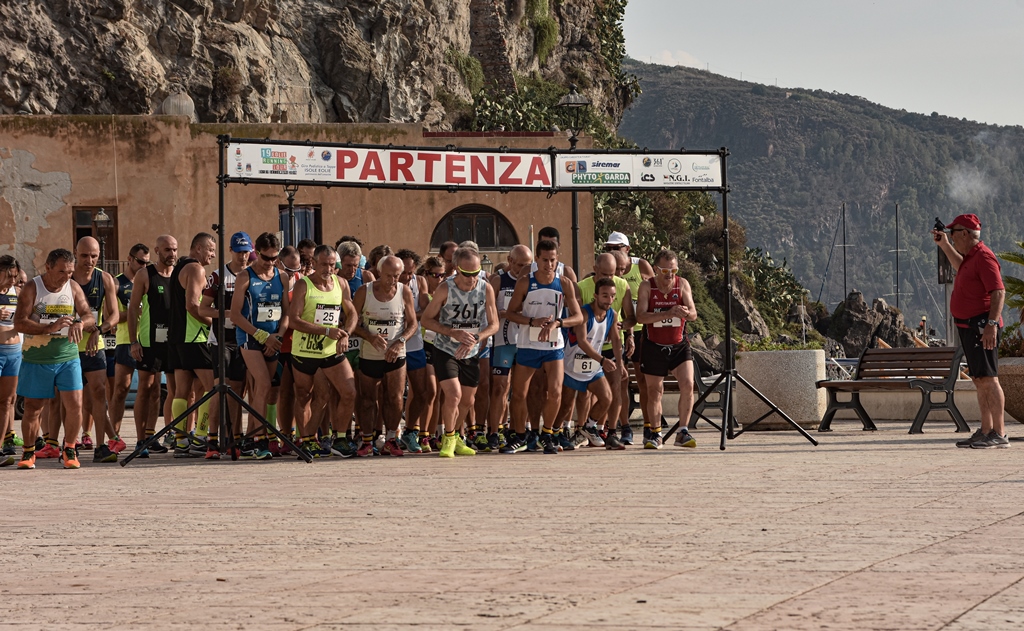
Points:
point(469, 274)
point(668, 271)
point(269, 259)
point(140, 261)
point(437, 275)
point(612, 248)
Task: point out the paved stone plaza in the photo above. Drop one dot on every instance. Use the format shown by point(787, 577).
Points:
point(867, 531)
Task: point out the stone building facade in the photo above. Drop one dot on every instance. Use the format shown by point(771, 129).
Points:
point(158, 174)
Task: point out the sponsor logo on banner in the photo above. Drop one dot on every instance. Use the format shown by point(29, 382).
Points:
point(238, 167)
point(325, 155)
point(600, 178)
point(652, 162)
point(701, 167)
point(248, 168)
point(647, 177)
point(570, 167)
point(704, 179)
point(674, 166)
point(675, 179)
point(597, 164)
point(238, 152)
point(310, 154)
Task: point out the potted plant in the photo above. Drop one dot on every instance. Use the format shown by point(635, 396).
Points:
point(1011, 349)
point(786, 373)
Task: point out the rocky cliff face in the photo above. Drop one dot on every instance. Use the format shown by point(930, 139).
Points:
point(283, 60)
point(855, 325)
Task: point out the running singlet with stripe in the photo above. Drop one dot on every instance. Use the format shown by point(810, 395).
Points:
point(124, 296)
point(382, 318)
point(466, 310)
point(9, 301)
point(577, 364)
point(667, 332)
point(211, 291)
point(156, 309)
point(286, 345)
point(94, 294)
point(541, 302)
point(508, 332)
point(415, 343)
point(262, 305)
point(184, 328)
point(322, 308)
point(634, 278)
point(587, 296)
point(50, 348)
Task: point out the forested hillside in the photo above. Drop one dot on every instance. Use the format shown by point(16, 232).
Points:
point(796, 155)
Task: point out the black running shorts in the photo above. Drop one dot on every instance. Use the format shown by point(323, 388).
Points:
point(658, 360)
point(467, 371)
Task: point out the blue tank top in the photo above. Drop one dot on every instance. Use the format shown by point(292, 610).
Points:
point(262, 305)
point(356, 282)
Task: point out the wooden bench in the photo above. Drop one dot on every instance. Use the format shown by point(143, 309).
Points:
point(893, 369)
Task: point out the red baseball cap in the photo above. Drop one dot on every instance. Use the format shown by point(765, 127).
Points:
point(971, 222)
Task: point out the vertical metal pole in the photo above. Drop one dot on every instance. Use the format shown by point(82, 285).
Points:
point(292, 228)
point(575, 216)
point(897, 256)
point(103, 253)
point(729, 369)
point(225, 419)
point(845, 291)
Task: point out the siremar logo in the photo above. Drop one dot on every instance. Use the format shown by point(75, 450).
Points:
point(325, 155)
point(605, 165)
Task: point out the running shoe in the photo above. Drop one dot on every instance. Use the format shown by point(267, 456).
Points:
point(70, 458)
point(378, 444)
point(578, 439)
point(593, 436)
point(481, 443)
point(532, 441)
point(462, 449)
point(168, 441)
point(263, 450)
point(435, 443)
point(181, 448)
point(212, 453)
point(49, 451)
point(144, 453)
point(493, 443)
point(425, 444)
point(7, 460)
point(626, 434)
point(275, 448)
point(104, 454)
point(342, 448)
point(159, 448)
point(611, 441)
point(564, 442)
point(28, 461)
point(18, 441)
point(966, 442)
point(685, 439)
point(515, 444)
point(502, 438)
point(197, 447)
point(116, 445)
point(249, 449)
point(40, 444)
point(411, 441)
point(391, 448)
point(647, 432)
point(992, 440)
point(549, 443)
point(87, 443)
point(447, 447)
point(9, 449)
point(365, 449)
point(654, 441)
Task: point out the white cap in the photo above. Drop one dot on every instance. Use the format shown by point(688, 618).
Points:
point(617, 238)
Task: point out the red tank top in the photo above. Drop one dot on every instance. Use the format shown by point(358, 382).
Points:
point(668, 332)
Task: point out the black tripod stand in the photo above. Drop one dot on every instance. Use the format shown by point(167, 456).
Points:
point(222, 388)
point(729, 375)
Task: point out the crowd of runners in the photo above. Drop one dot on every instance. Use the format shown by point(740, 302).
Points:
point(386, 353)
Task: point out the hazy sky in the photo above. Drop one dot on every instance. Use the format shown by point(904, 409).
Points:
point(959, 58)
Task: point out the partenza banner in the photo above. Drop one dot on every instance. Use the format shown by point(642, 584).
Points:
point(618, 171)
point(403, 167)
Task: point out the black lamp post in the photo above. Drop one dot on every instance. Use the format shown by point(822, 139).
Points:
point(290, 190)
point(576, 104)
point(102, 223)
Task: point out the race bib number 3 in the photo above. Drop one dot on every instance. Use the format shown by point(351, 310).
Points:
point(584, 365)
point(327, 315)
point(269, 314)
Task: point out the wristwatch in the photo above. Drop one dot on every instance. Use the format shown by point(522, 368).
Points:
point(400, 339)
point(994, 323)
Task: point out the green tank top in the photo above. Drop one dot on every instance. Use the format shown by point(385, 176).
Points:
point(50, 306)
point(323, 308)
point(634, 279)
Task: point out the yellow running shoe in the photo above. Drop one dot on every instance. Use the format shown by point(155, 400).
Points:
point(462, 449)
point(447, 447)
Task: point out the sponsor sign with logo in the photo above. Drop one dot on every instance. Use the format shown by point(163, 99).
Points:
point(392, 167)
point(682, 171)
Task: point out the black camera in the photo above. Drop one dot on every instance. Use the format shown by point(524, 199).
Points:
point(941, 227)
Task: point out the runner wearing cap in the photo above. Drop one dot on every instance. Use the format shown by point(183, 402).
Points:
point(637, 271)
point(976, 305)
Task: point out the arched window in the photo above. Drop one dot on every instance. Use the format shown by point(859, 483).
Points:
point(475, 222)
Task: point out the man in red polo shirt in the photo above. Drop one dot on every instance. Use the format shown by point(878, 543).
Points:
point(976, 305)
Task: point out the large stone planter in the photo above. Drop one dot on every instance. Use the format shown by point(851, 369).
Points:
point(1011, 378)
point(787, 378)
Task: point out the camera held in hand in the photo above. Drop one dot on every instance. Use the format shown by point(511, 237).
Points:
point(940, 227)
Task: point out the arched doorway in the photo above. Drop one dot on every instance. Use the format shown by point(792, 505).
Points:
point(475, 222)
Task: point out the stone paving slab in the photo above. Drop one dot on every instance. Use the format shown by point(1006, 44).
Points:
point(870, 530)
